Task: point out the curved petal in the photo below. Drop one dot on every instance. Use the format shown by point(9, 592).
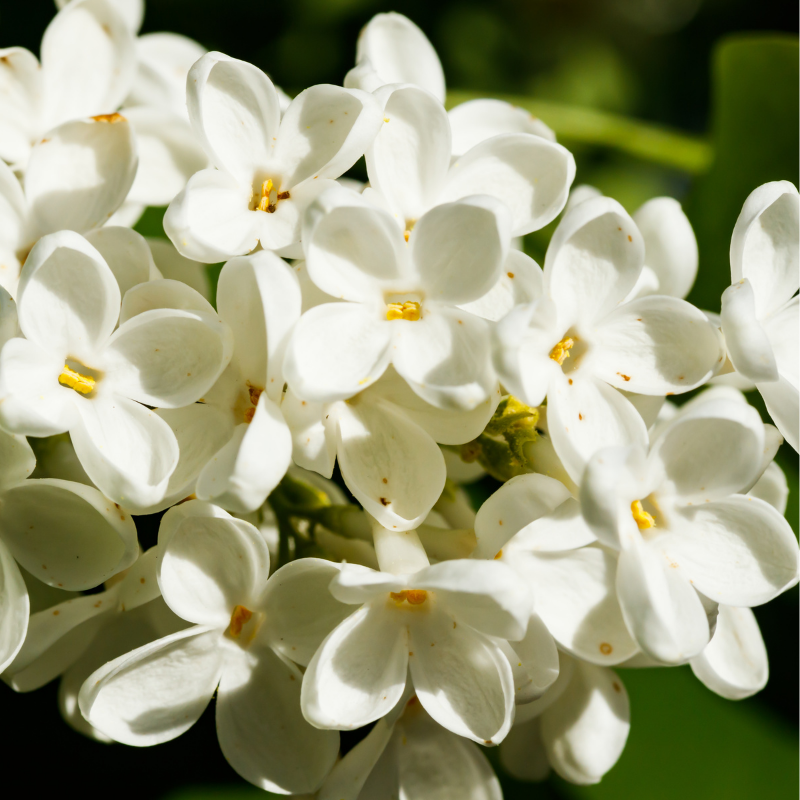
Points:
point(301, 611)
point(162, 293)
point(17, 460)
point(585, 414)
point(80, 174)
point(67, 534)
point(68, 299)
point(14, 608)
point(359, 672)
point(127, 451)
point(522, 752)
point(409, 158)
point(585, 731)
point(783, 331)
point(661, 608)
point(211, 220)
point(656, 346)
point(313, 445)
point(734, 663)
point(210, 563)
point(251, 464)
point(772, 487)
point(156, 692)
point(325, 130)
point(535, 661)
point(783, 403)
point(20, 103)
point(458, 249)
point(261, 730)
point(168, 357)
point(445, 357)
point(126, 253)
point(528, 174)
point(356, 584)
point(235, 113)
point(13, 209)
point(737, 551)
point(336, 350)
point(764, 245)
point(88, 61)
point(477, 120)
point(173, 266)
point(399, 52)
point(593, 261)
point(462, 679)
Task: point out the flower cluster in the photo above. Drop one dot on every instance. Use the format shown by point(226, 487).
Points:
point(398, 330)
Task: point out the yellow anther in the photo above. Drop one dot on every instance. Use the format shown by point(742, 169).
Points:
point(641, 517)
point(82, 384)
point(414, 597)
point(240, 617)
point(109, 118)
point(409, 311)
point(560, 352)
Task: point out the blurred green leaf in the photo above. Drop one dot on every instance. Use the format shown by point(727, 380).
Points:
point(645, 140)
point(151, 223)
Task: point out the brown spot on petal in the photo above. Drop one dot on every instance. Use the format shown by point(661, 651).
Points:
point(626, 378)
point(385, 502)
point(606, 648)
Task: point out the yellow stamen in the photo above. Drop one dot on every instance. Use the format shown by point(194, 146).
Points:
point(83, 384)
point(641, 517)
point(414, 597)
point(560, 352)
point(109, 118)
point(409, 311)
point(240, 617)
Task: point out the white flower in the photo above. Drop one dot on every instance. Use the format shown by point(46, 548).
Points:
point(74, 372)
point(65, 534)
point(581, 344)
point(442, 623)
point(409, 164)
point(213, 572)
point(579, 727)
point(268, 169)
point(401, 298)
point(760, 310)
point(87, 68)
point(76, 178)
point(681, 527)
point(409, 755)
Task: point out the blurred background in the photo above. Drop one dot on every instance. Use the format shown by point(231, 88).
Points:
point(696, 99)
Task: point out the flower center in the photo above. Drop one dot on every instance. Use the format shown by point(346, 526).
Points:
point(270, 197)
point(254, 393)
point(560, 352)
point(414, 597)
point(643, 520)
point(240, 617)
point(72, 379)
point(410, 223)
point(408, 310)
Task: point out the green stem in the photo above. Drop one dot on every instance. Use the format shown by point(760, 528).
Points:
point(645, 140)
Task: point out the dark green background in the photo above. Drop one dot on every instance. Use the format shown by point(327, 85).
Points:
point(724, 71)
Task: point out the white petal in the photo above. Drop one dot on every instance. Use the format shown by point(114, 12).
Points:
point(661, 608)
point(211, 220)
point(126, 253)
point(127, 450)
point(210, 562)
point(772, 487)
point(336, 350)
point(399, 52)
point(80, 173)
point(392, 466)
point(749, 348)
point(522, 752)
point(68, 299)
point(593, 261)
point(168, 357)
point(13, 211)
point(585, 732)
point(17, 460)
point(88, 61)
point(515, 506)
point(173, 266)
point(782, 329)
point(261, 731)
point(445, 357)
point(783, 403)
point(313, 445)
point(301, 611)
point(14, 608)
point(587, 415)
point(325, 130)
point(156, 692)
point(656, 345)
point(458, 249)
point(359, 672)
point(462, 678)
point(529, 174)
point(737, 551)
point(20, 103)
point(764, 246)
point(734, 664)
point(67, 534)
point(409, 158)
point(356, 584)
point(162, 293)
point(249, 466)
point(535, 661)
point(477, 120)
